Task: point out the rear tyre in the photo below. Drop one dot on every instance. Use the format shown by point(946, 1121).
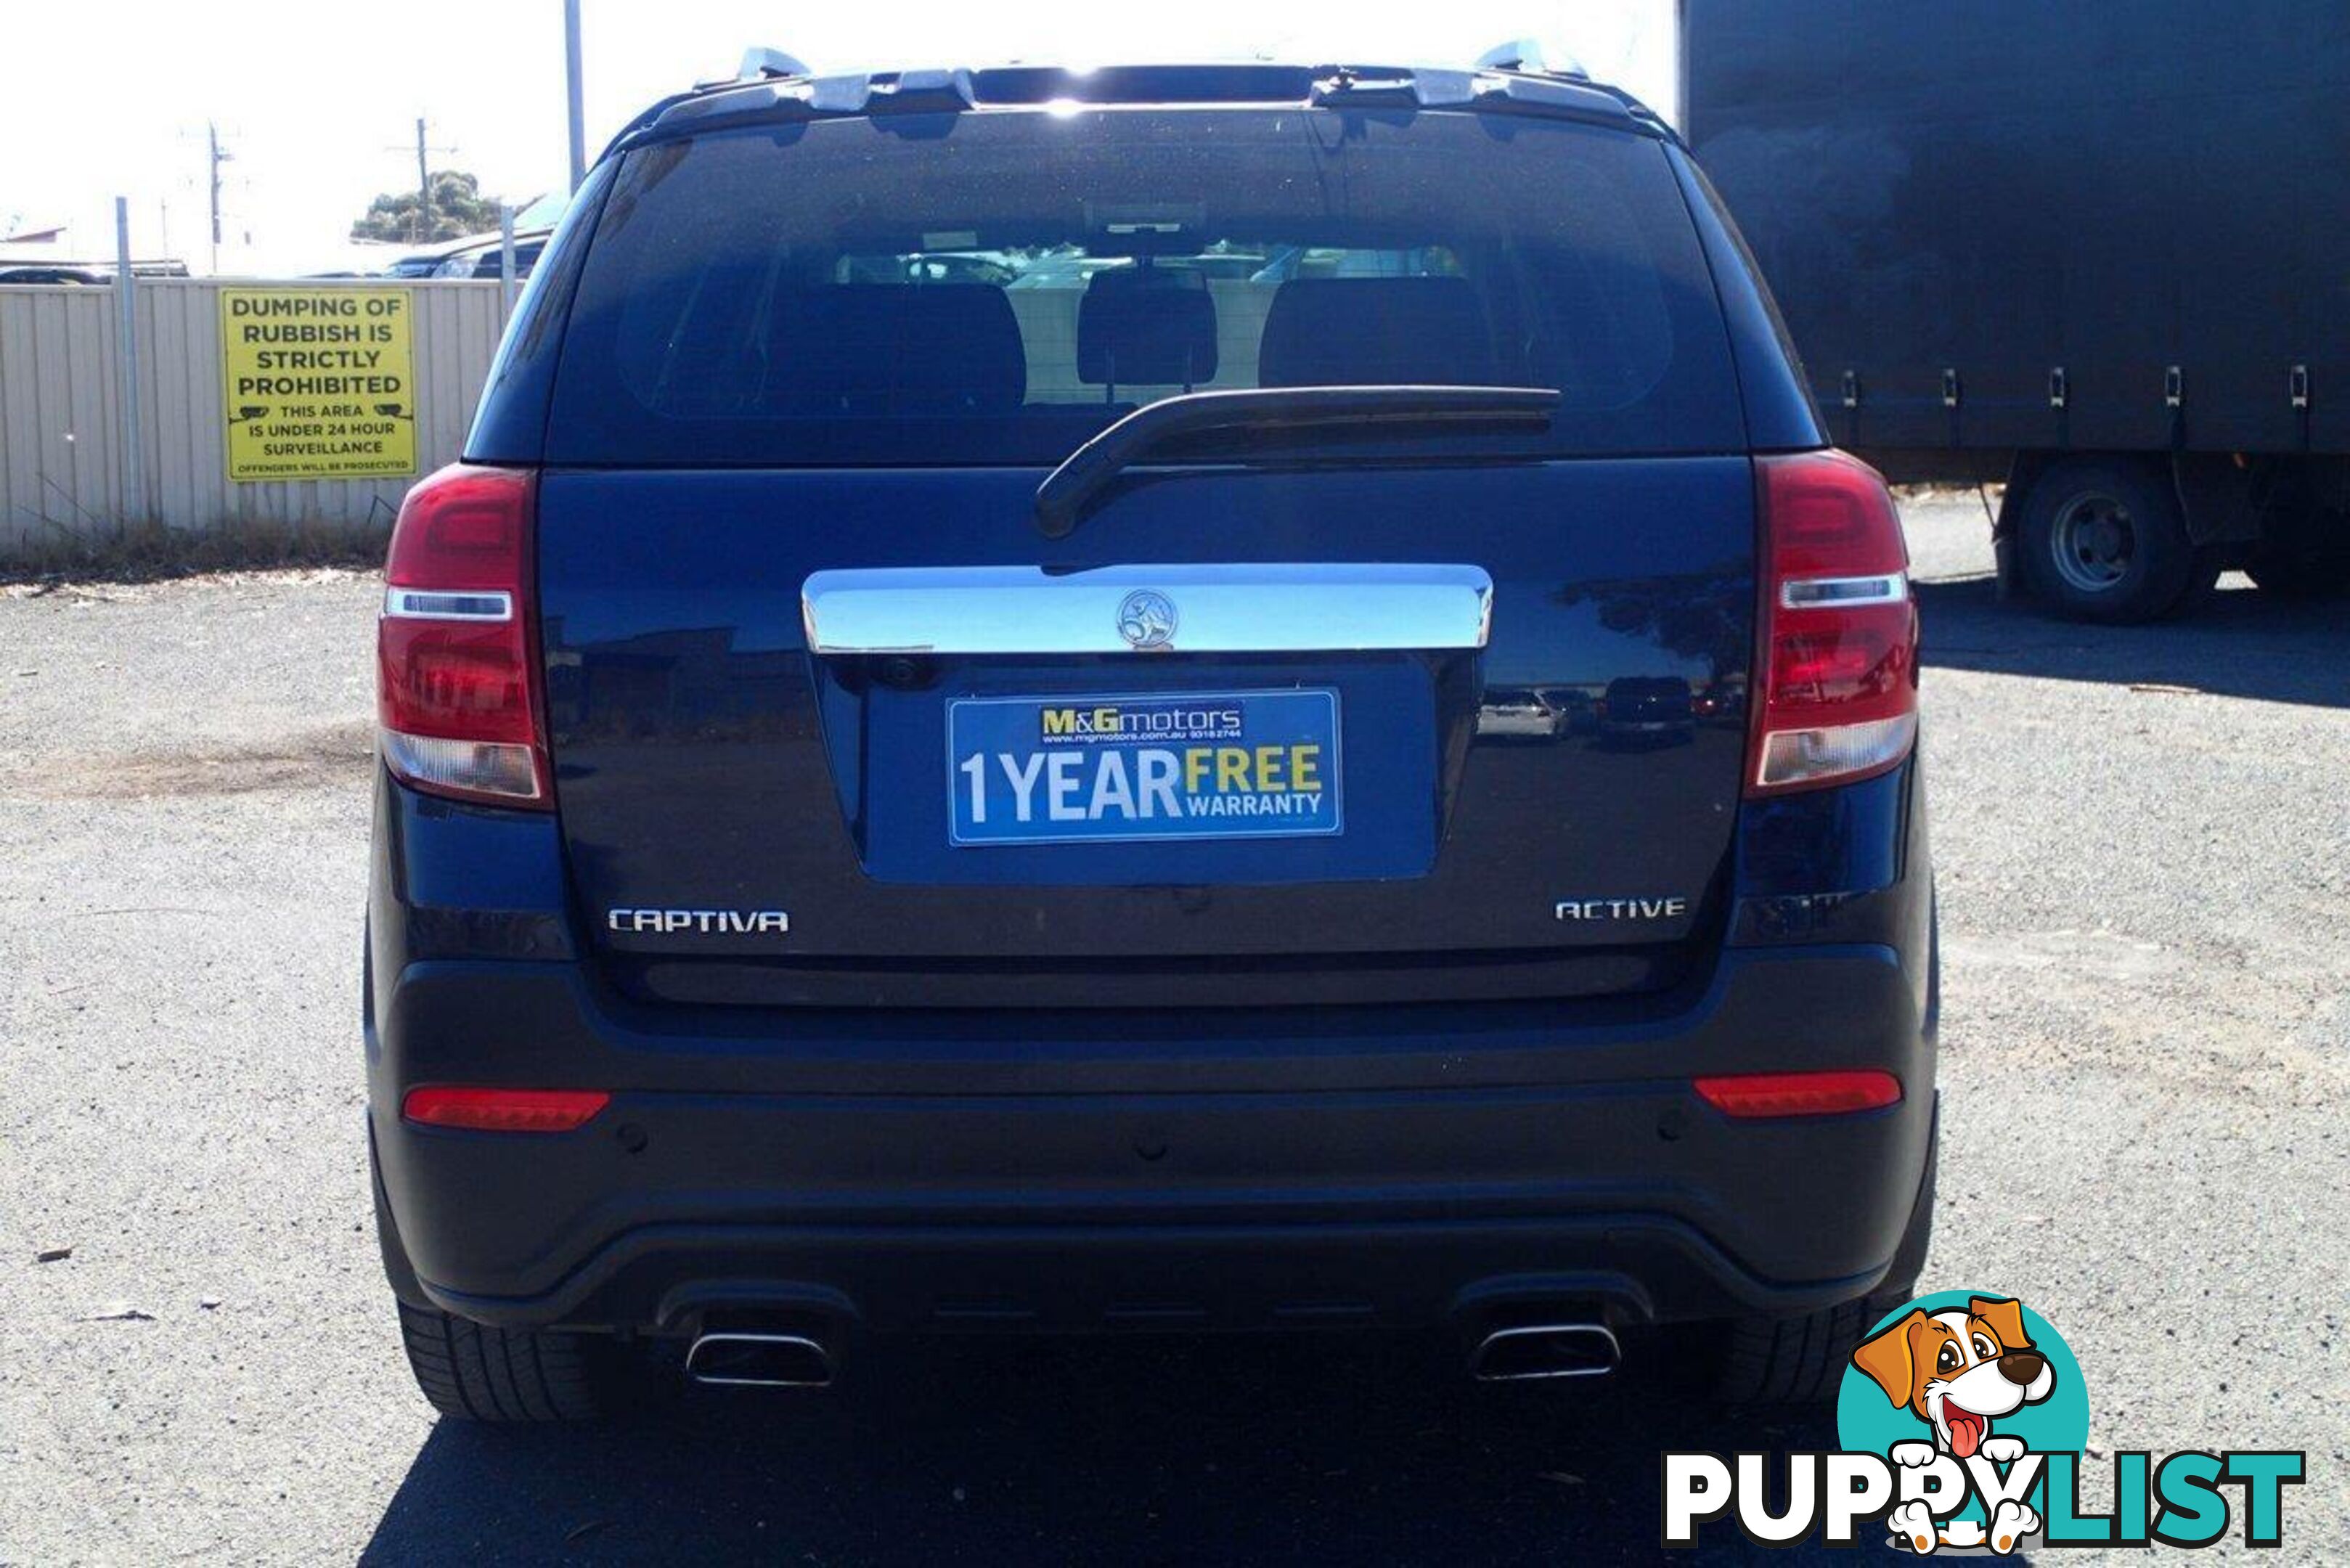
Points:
point(2105, 540)
point(1800, 1361)
point(473, 1372)
point(1793, 1360)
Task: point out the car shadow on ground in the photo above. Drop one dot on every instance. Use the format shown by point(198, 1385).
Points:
point(2239, 643)
point(1246, 1449)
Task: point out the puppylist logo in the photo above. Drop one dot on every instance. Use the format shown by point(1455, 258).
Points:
point(1961, 1426)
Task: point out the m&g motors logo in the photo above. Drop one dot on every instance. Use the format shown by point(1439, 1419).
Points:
point(1102, 724)
point(1961, 1426)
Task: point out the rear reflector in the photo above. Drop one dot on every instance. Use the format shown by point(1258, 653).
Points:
point(456, 686)
point(1824, 1093)
point(504, 1110)
point(1838, 666)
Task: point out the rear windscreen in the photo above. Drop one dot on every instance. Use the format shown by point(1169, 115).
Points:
point(994, 288)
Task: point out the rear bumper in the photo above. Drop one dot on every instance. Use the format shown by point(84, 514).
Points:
point(1212, 1167)
point(926, 1182)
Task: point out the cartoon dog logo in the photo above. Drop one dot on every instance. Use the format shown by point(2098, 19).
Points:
point(1958, 1372)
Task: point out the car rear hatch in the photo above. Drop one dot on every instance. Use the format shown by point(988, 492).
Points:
point(1281, 715)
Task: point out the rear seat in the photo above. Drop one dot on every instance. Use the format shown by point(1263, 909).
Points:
point(1146, 328)
point(1376, 331)
point(886, 349)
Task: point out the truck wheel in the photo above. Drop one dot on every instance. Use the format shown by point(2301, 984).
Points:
point(476, 1373)
point(2105, 540)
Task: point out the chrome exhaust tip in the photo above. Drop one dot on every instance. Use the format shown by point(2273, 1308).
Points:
point(1547, 1350)
point(745, 1360)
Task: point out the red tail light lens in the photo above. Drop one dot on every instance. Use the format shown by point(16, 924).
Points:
point(457, 687)
point(1756, 1095)
point(1839, 632)
point(504, 1110)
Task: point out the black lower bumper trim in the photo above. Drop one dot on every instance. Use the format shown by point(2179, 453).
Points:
point(1637, 1269)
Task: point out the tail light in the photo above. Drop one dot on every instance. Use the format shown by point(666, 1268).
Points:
point(1839, 654)
point(457, 693)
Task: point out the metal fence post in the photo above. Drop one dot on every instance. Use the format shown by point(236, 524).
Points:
point(505, 260)
point(578, 118)
point(134, 445)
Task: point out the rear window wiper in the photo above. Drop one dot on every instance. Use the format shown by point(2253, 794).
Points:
point(1062, 499)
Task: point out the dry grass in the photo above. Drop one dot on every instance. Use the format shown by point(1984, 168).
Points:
point(151, 552)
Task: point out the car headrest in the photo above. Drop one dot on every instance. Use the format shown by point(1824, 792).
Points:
point(1375, 331)
point(896, 348)
point(1146, 328)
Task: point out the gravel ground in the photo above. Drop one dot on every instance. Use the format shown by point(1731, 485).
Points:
point(2141, 839)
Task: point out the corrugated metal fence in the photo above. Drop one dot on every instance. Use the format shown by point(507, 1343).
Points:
point(63, 477)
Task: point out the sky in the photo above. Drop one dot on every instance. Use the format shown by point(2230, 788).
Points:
point(317, 102)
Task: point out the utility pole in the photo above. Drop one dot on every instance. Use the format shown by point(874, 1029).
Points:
point(505, 259)
point(212, 142)
point(423, 185)
point(423, 224)
point(571, 92)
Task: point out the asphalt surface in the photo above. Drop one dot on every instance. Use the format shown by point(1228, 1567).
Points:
point(2141, 836)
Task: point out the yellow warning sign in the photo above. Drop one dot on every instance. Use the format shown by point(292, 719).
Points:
point(320, 383)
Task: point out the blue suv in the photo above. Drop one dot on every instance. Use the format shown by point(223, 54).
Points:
point(1016, 719)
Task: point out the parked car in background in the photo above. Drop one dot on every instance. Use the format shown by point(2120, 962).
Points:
point(475, 255)
point(1649, 707)
point(425, 261)
point(1524, 712)
point(912, 803)
point(53, 275)
point(932, 266)
point(487, 257)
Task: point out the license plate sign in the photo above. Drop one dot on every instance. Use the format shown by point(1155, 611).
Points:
point(1086, 770)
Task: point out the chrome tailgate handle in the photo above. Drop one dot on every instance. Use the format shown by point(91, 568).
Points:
point(1301, 607)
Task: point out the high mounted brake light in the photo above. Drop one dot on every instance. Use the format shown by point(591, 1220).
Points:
point(457, 687)
point(1838, 673)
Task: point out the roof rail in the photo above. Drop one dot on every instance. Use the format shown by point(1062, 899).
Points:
point(764, 94)
point(760, 63)
point(1525, 56)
